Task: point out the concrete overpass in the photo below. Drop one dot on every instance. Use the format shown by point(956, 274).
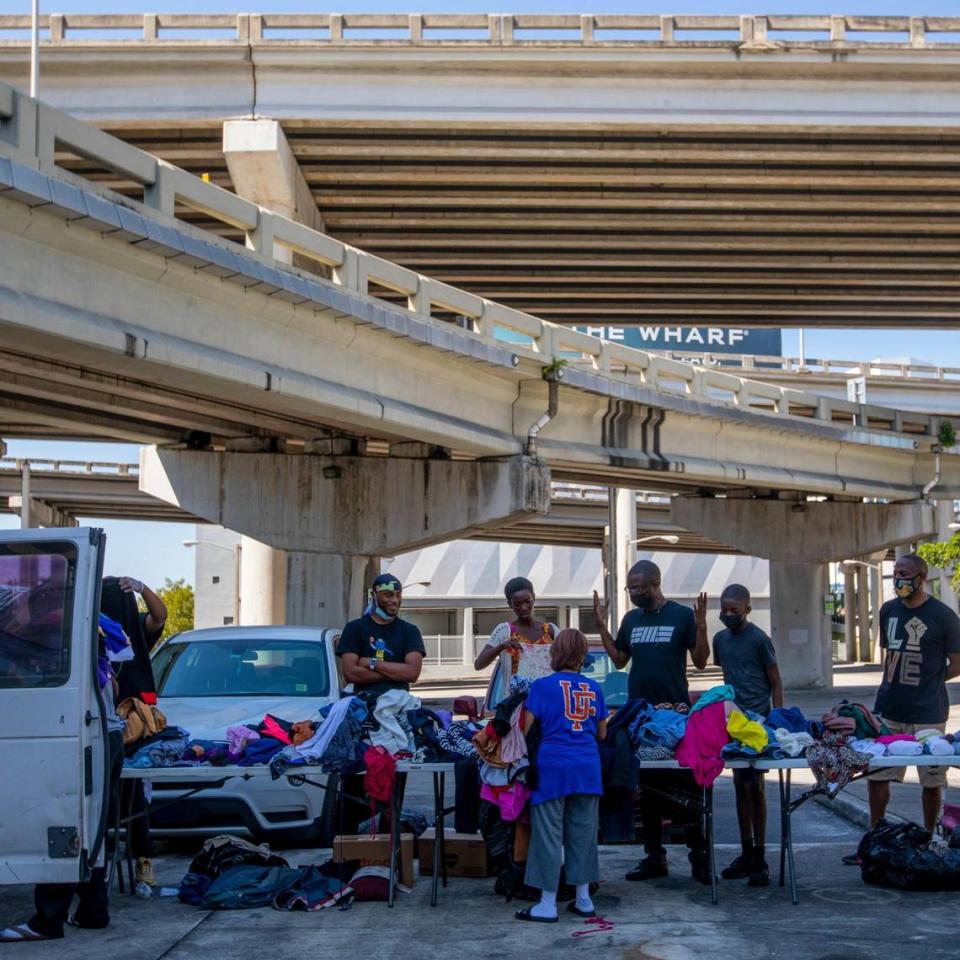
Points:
point(304, 410)
point(747, 171)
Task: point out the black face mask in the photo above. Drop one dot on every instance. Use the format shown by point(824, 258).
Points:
point(732, 620)
point(643, 600)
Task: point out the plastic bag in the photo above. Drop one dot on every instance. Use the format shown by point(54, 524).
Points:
point(901, 855)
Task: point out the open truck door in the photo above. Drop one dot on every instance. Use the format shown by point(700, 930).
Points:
point(54, 790)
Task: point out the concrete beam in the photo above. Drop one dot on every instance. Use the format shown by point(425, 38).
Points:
point(39, 513)
point(264, 170)
point(367, 506)
point(804, 531)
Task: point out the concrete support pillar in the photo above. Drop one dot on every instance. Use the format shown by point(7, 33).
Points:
point(466, 619)
point(945, 516)
point(621, 550)
point(863, 614)
point(263, 576)
point(326, 590)
point(573, 617)
point(800, 628)
point(849, 614)
point(876, 599)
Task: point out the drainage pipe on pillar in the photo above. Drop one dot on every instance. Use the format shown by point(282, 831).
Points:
point(551, 411)
point(936, 475)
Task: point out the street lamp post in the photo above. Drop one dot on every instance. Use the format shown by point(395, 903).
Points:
point(237, 553)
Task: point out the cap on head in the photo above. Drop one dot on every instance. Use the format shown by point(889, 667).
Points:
point(387, 581)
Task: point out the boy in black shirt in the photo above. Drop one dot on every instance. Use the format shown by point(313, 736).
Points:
point(749, 665)
point(379, 651)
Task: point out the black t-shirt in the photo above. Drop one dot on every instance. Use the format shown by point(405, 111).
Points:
point(917, 641)
point(385, 641)
point(745, 657)
point(658, 643)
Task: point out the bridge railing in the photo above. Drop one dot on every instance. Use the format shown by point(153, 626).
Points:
point(663, 31)
point(35, 136)
point(43, 465)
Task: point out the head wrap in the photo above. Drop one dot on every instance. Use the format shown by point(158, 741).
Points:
point(386, 581)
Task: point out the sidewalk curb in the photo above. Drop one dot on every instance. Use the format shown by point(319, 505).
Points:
point(852, 810)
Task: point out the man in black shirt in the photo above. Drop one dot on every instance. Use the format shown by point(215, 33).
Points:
point(920, 637)
point(379, 651)
point(655, 639)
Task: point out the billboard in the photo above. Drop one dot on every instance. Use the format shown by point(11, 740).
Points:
point(758, 342)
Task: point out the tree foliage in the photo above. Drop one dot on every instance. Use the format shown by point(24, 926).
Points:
point(944, 556)
point(177, 596)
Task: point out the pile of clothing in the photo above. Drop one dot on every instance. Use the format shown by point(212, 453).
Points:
point(232, 874)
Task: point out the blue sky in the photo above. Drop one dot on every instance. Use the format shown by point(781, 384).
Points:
point(154, 551)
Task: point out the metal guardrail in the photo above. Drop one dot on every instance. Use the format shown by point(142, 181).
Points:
point(923, 374)
point(95, 467)
point(760, 32)
point(34, 136)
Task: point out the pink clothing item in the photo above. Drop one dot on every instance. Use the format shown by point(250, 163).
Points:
point(894, 737)
point(511, 800)
point(273, 729)
point(706, 735)
point(238, 737)
point(514, 744)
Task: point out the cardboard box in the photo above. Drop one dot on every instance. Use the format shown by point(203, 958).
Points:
point(466, 854)
point(375, 852)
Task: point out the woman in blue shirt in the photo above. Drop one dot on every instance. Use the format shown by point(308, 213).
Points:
point(564, 806)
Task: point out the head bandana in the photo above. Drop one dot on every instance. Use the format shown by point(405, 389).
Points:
point(384, 582)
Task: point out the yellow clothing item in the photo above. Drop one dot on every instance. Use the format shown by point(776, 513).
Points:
point(748, 732)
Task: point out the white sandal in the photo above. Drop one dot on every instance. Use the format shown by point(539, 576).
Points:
point(21, 933)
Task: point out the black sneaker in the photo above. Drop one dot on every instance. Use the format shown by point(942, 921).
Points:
point(852, 859)
point(738, 869)
point(700, 869)
point(649, 868)
point(759, 873)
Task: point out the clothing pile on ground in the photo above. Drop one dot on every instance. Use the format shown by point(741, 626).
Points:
point(232, 874)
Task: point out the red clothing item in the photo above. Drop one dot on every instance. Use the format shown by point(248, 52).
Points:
point(705, 736)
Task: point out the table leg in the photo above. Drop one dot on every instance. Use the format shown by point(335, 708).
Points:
point(443, 811)
point(794, 894)
point(396, 808)
point(707, 821)
point(438, 838)
point(784, 816)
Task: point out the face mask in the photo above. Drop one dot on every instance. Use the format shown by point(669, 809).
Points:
point(381, 613)
point(732, 620)
point(643, 600)
point(904, 587)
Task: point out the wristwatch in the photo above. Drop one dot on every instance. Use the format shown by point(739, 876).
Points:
point(372, 663)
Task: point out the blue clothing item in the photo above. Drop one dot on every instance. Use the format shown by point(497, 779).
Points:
point(160, 753)
point(259, 751)
point(771, 751)
point(787, 718)
point(569, 708)
point(115, 641)
point(714, 695)
point(658, 728)
point(344, 753)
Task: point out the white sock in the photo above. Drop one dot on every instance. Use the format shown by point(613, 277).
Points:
point(547, 907)
point(583, 897)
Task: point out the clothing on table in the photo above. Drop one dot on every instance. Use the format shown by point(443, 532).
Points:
point(869, 747)
point(745, 657)
point(791, 742)
point(658, 752)
point(866, 725)
point(160, 753)
point(52, 900)
point(504, 712)
point(716, 694)
point(748, 732)
point(389, 712)
point(514, 744)
point(657, 642)
point(888, 738)
point(928, 776)
point(657, 728)
point(570, 708)
point(488, 746)
point(563, 832)
point(313, 748)
point(389, 642)
point(834, 763)
point(702, 743)
point(938, 747)
point(904, 748)
point(458, 738)
point(238, 736)
point(260, 751)
point(793, 720)
point(916, 643)
point(381, 772)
